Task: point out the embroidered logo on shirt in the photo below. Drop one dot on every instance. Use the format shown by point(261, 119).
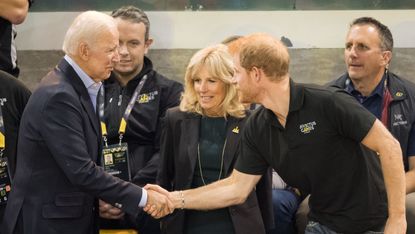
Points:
point(147, 97)
point(399, 94)
point(307, 127)
point(2, 101)
point(235, 130)
point(398, 120)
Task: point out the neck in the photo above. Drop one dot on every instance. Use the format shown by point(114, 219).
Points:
point(276, 97)
point(366, 85)
point(123, 80)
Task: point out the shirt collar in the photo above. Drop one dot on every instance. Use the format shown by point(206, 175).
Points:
point(91, 86)
point(296, 101)
point(377, 91)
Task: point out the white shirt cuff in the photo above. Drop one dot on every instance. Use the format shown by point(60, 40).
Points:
point(143, 200)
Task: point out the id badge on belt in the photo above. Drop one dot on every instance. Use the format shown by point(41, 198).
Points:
point(116, 161)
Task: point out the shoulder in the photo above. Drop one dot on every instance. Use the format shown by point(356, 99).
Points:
point(165, 82)
point(55, 87)
point(320, 94)
point(11, 84)
point(339, 82)
point(398, 82)
point(174, 114)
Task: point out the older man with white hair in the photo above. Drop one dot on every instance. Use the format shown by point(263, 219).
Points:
point(58, 178)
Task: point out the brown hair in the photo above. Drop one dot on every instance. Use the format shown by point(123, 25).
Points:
point(265, 52)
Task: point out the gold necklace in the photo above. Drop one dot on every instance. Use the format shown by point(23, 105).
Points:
point(221, 163)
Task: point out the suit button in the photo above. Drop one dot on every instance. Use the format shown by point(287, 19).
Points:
point(118, 205)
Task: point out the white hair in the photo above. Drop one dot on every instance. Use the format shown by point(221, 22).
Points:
point(87, 27)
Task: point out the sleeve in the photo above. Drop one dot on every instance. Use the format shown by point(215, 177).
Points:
point(349, 117)
point(166, 167)
point(62, 129)
point(149, 172)
point(251, 160)
point(411, 142)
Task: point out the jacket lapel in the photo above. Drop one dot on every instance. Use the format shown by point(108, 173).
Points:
point(191, 127)
point(71, 76)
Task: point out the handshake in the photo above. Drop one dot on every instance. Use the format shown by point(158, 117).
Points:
point(160, 203)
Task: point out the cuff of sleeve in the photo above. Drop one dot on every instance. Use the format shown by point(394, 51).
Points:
point(143, 200)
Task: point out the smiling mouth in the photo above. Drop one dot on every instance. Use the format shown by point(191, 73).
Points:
point(206, 98)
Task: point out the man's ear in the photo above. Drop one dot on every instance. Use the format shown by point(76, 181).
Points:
point(256, 73)
point(386, 57)
point(147, 45)
point(84, 51)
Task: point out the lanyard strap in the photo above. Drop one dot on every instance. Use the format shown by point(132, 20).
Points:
point(123, 123)
point(387, 99)
point(2, 134)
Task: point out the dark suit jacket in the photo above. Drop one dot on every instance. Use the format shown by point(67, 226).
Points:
point(57, 179)
point(178, 154)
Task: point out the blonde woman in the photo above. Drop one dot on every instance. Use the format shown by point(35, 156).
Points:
point(200, 142)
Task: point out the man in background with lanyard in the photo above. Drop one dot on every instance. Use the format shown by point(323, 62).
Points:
point(13, 98)
point(390, 98)
point(136, 98)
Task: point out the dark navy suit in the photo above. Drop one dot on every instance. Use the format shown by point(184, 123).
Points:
point(57, 180)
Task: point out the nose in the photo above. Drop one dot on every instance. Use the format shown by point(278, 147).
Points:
point(203, 86)
point(122, 50)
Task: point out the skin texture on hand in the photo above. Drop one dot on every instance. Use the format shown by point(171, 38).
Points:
point(107, 211)
point(158, 202)
point(396, 225)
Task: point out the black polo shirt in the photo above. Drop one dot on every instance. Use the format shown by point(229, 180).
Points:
point(319, 152)
point(13, 98)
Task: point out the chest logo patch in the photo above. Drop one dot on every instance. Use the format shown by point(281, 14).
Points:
point(235, 130)
point(307, 127)
point(398, 119)
point(147, 97)
point(3, 101)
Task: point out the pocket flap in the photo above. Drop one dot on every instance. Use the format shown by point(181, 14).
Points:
point(53, 212)
point(70, 199)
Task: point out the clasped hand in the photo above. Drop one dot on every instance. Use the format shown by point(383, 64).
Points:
point(160, 202)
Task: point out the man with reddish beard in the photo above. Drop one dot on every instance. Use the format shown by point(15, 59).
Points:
point(136, 98)
point(390, 98)
point(318, 140)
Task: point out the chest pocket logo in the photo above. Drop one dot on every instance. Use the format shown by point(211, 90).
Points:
point(147, 97)
point(307, 127)
point(3, 101)
point(399, 120)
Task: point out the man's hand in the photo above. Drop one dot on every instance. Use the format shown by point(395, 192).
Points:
point(108, 211)
point(174, 196)
point(158, 202)
point(396, 225)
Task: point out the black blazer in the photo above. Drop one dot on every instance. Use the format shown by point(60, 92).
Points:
point(57, 179)
point(178, 154)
